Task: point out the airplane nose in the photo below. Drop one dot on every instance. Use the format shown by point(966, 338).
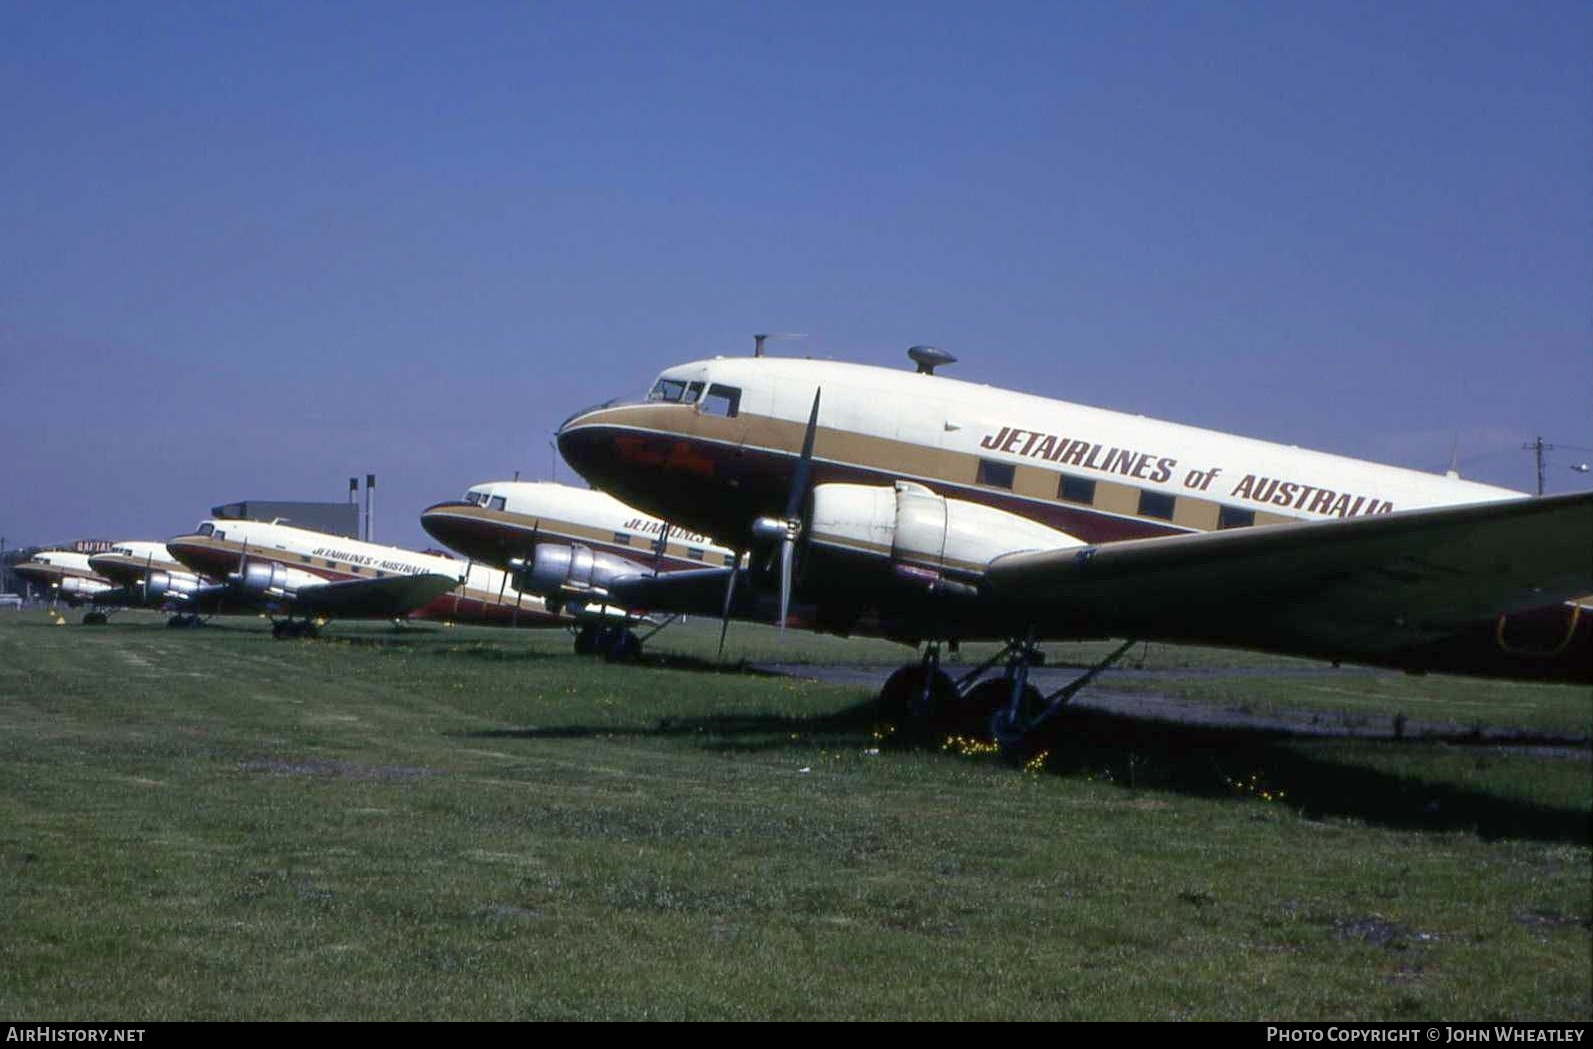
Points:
point(573, 416)
point(575, 446)
point(195, 554)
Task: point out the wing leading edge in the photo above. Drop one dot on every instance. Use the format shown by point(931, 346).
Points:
point(374, 598)
point(1418, 589)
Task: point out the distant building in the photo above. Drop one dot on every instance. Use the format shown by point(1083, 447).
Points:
point(334, 518)
point(10, 583)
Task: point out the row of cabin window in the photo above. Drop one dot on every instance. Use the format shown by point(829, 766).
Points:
point(695, 553)
point(718, 400)
point(1071, 489)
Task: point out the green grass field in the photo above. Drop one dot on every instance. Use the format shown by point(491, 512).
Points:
point(476, 824)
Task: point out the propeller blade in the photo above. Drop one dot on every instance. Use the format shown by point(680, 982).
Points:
point(787, 552)
point(804, 467)
point(800, 479)
point(659, 547)
point(243, 565)
point(730, 596)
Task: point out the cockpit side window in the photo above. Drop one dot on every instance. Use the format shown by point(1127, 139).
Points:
point(207, 528)
point(670, 390)
point(496, 503)
point(721, 400)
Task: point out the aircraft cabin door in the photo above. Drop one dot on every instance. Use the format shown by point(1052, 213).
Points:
point(921, 427)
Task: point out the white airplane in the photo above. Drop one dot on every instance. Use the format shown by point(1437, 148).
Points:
point(299, 576)
point(145, 575)
point(945, 511)
point(65, 573)
point(551, 538)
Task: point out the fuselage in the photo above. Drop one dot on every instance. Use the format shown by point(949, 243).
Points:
point(714, 445)
point(65, 572)
point(128, 562)
point(500, 521)
point(483, 595)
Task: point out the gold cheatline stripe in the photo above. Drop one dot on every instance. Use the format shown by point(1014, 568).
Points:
point(918, 462)
point(893, 457)
point(635, 541)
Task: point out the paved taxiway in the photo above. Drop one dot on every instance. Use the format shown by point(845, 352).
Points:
point(1120, 698)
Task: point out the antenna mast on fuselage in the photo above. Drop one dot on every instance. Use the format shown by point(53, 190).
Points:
point(928, 358)
point(757, 340)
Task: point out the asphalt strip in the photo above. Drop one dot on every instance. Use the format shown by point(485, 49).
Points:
point(1109, 697)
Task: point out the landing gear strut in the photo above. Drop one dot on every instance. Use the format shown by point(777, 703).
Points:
point(922, 692)
point(1013, 725)
point(286, 628)
point(1008, 707)
point(614, 643)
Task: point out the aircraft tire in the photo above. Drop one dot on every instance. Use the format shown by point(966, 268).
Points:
point(623, 647)
point(988, 697)
point(586, 640)
point(899, 698)
point(1013, 734)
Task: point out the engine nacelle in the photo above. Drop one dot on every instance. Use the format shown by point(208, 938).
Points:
point(75, 590)
point(558, 570)
point(266, 579)
point(157, 587)
point(921, 532)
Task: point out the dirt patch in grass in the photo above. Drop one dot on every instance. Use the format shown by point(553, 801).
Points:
point(334, 769)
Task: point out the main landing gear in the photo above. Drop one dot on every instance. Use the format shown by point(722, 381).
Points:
point(1008, 708)
point(96, 618)
point(616, 644)
point(287, 628)
point(181, 621)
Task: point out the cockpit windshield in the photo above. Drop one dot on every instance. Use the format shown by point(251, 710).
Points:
point(714, 399)
point(206, 529)
point(671, 391)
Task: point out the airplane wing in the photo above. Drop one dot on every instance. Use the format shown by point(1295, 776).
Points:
point(389, 596)
point(694, 591)
point(1361, 589)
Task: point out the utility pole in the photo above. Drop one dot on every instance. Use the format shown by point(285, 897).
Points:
point(1537, 448)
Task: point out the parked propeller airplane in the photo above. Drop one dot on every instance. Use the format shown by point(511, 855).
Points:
point(551, 538)
point(145, 575)
point(65, 573)
point(299, 576)
point(943, 511)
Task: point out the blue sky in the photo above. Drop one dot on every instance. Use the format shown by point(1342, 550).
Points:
point(249, 251)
